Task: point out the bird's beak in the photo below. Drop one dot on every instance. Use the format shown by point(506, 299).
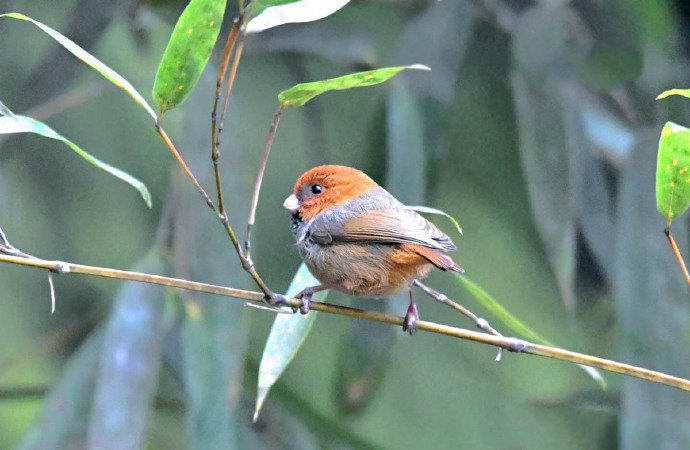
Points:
point(291, 204)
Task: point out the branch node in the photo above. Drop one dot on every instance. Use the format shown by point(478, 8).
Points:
point(516, 345)
point(277, 299)
point(247, 263)
point(482, 324)
point(62, 267)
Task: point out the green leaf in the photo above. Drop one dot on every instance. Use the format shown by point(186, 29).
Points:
point(13, 123)
point(427, 210)
point(266, 14)
point(287, 336)
point(188, 52)
point(129, 360)
point(300, 94)
point(673, 172)
point(90, 60)
point(514, 324)
point(648, 286)
point(670, 92)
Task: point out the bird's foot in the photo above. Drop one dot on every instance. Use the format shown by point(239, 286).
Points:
point(305, 296)
point(411, 319)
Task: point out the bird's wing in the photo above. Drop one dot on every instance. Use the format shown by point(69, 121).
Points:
point(399, 226)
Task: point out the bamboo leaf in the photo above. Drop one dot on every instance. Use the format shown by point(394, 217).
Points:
point(130, 358)
point(673, 172)
point(428, 210)
point(271, 13)
point(188, 52)
point(514, 324)
point(89, 59)
point(670, 92)
point(300, 94)
point(285, 339)
point(14, 123)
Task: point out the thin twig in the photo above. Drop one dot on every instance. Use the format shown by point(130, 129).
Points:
point(215, 139)
point(233, 72)
point(8, 249)
point(246, 263)
point(238, 45)
point(235, 41)
point(185, 167)
point(679, 257)
point(479, 322)
point(259, 178)
point(511, 344)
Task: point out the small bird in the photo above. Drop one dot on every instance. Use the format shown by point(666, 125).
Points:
point(356, 238)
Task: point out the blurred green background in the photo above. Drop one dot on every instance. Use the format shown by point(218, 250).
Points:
point(537, 128)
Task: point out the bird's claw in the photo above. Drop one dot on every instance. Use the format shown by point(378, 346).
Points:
point(411, 319)
point(305, 296)
point(306, 304)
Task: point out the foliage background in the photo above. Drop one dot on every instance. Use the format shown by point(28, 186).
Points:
point(537, 128)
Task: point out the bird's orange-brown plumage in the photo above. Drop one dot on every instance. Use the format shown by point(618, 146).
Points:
point(342, 184)
point(357, 238)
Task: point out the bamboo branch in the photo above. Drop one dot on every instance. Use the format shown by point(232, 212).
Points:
point(233, 47)
point(215, 137)
point(233, 71)
point(511, 344)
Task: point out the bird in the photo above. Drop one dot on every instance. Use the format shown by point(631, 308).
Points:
point(356, 238)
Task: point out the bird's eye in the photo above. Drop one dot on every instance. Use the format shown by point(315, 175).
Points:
point(316, 189)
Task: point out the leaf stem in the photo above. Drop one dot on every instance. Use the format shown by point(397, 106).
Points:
point(184, 166)
point(511, 344)
point(676, 252)
point(260, 176)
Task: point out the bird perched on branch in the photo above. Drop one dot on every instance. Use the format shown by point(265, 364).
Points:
point(356, 238)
